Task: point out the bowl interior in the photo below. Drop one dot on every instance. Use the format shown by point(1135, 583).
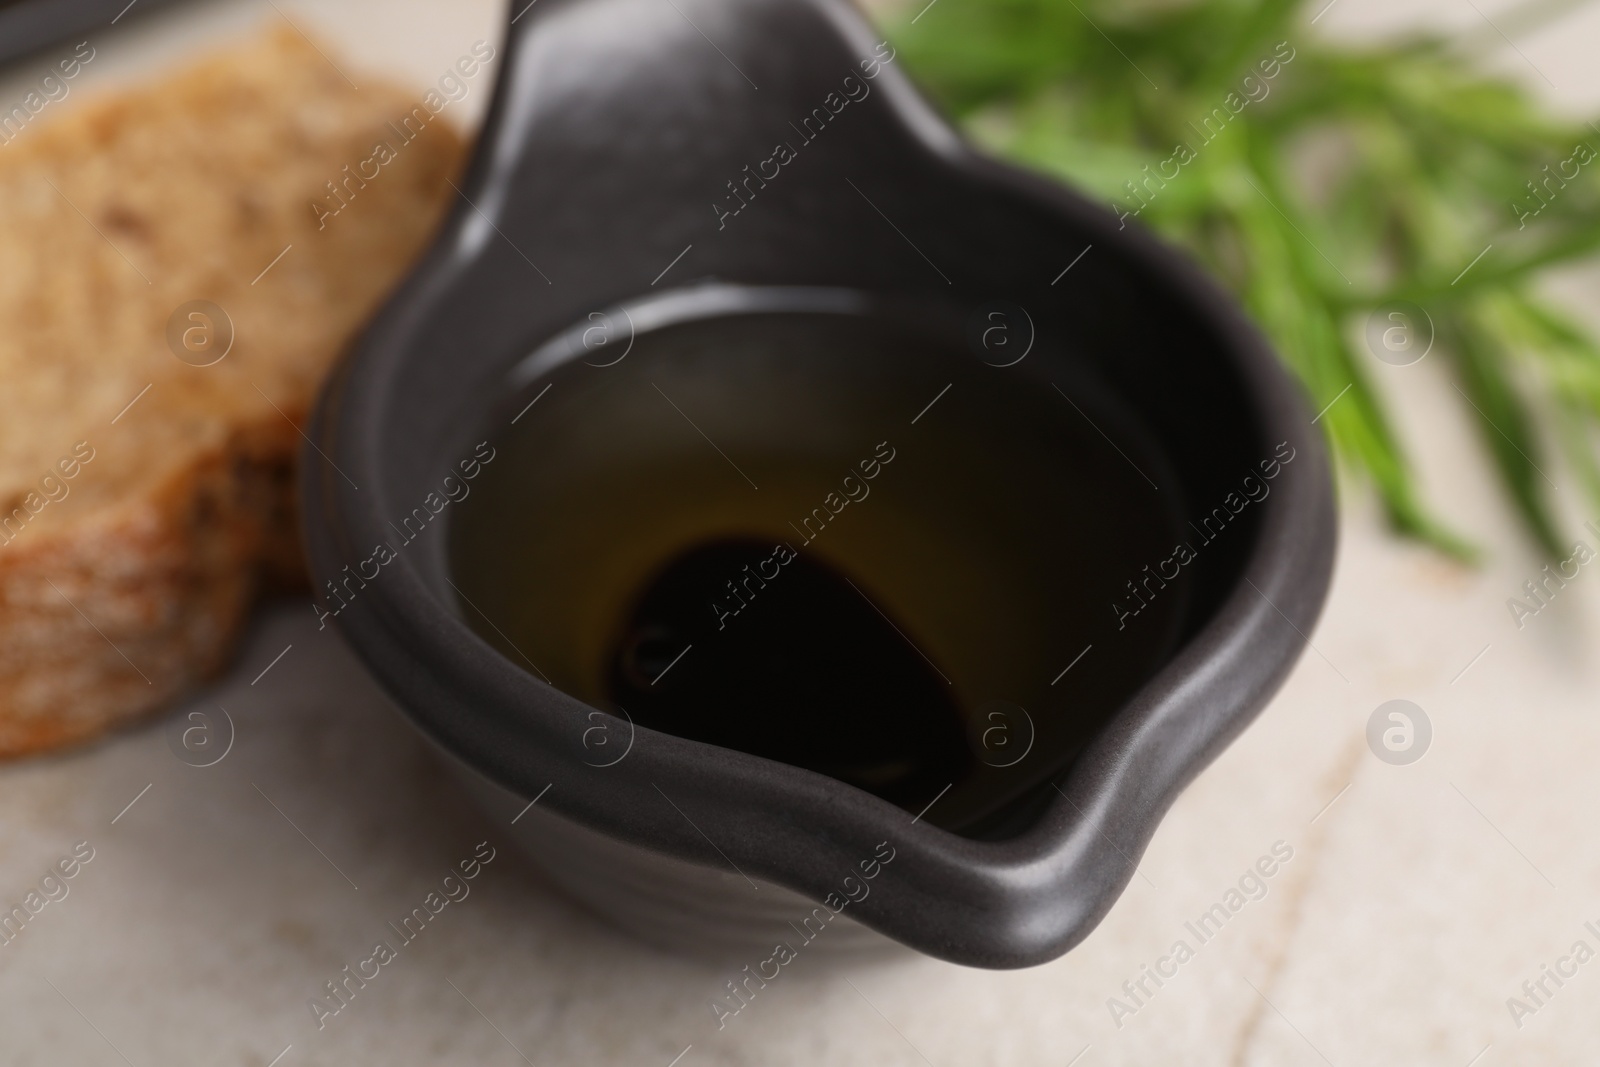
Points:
point(914, 545)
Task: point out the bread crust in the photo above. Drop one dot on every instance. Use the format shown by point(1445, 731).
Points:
point(114, 618)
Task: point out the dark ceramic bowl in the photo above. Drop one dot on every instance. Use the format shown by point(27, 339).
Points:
point(602, 176)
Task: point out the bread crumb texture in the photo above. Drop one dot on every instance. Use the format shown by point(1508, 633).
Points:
point(133, 539)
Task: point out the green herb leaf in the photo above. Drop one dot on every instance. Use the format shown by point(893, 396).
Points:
point(1326, 180)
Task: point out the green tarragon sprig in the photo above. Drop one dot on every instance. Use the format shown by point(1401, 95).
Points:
point(1323, 182)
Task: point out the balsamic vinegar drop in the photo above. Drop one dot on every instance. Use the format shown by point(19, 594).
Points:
point(800, 667)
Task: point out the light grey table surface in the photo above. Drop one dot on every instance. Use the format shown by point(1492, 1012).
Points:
point(1417, 901)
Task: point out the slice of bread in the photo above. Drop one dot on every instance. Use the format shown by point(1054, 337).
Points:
point(145, 500)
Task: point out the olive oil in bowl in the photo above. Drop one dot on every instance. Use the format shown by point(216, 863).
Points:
point(823, 531)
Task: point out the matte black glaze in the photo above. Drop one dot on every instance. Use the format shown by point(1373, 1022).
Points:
point(613, 132)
